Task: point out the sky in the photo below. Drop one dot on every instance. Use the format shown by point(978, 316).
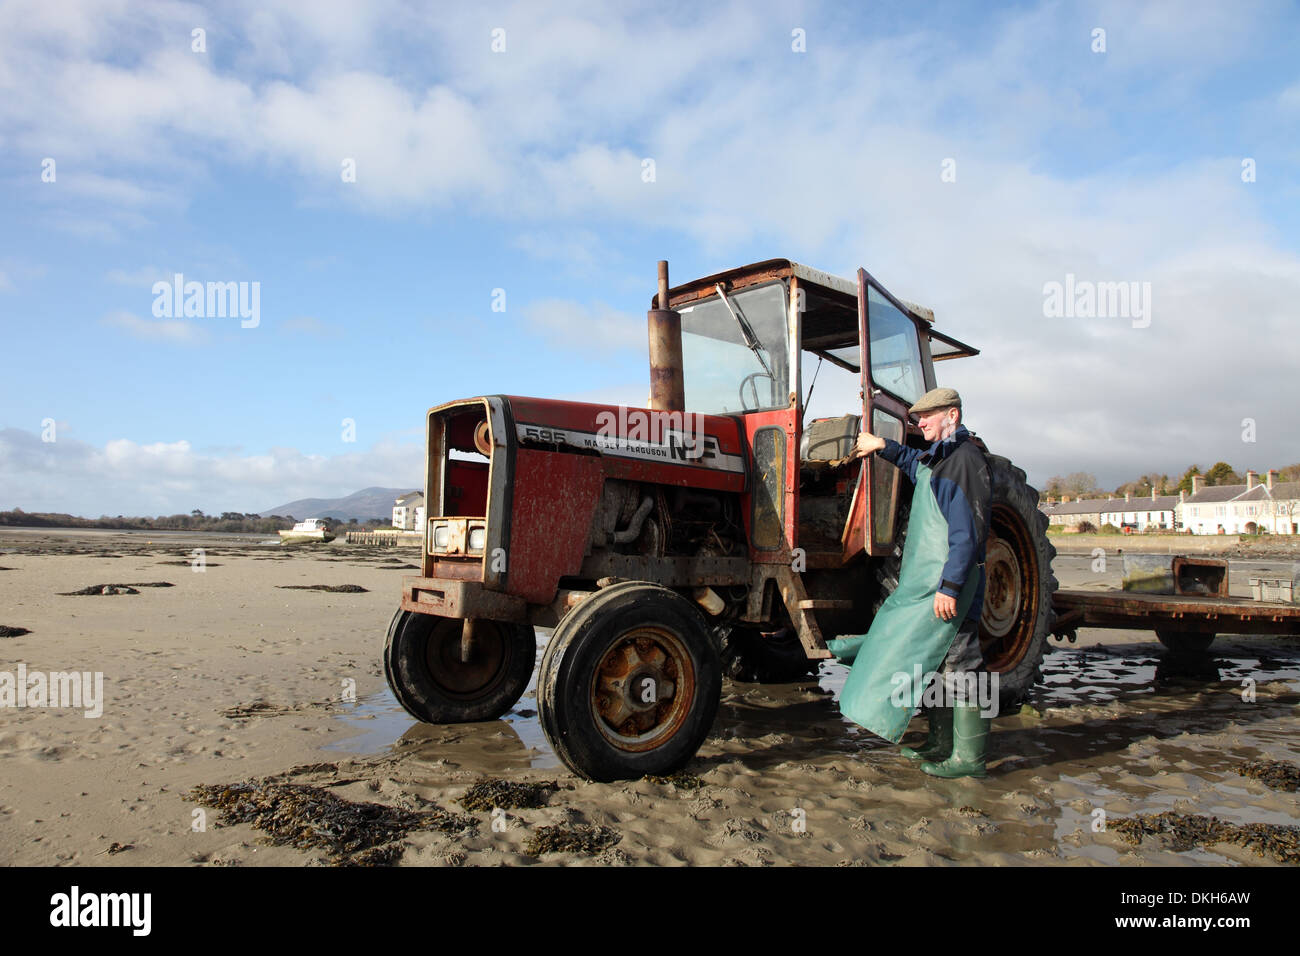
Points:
point(440, 201)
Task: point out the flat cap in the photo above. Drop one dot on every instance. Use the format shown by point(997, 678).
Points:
point(935, 399)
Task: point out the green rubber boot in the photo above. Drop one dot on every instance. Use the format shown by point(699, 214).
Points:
point(970, 735)
point(938, 739)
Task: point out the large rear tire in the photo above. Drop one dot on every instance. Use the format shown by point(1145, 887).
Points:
point(428, 678)
point(629, 684)
point(763, 657)
point(1018, 617)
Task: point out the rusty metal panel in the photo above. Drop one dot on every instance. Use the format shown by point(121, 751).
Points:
point(460, 600)
point(1133, 609)
point(786, 485)
point(554, 500)
point(1200, 576)
point(596, 430)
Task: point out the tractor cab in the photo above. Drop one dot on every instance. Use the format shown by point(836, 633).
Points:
point(803, 358)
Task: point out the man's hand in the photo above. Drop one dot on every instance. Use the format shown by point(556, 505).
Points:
point(945, 606)
point(867, 443)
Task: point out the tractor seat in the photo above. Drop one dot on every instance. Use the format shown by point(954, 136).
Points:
point(829, 439)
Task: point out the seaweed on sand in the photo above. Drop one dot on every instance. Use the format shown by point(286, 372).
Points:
point(307, 817)
point(571, 838)
point(1278, 774)
point(487, 795)
point(111, 589)
point(1187, 831)
point(337, 588)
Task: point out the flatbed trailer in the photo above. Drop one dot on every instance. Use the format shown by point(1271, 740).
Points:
point(1182, 622)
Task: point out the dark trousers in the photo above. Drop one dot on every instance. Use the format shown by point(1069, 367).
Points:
point(964, 654)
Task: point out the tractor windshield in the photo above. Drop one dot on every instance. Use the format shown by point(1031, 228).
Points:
point(722, 373)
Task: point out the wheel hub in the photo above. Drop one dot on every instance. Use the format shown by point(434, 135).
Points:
point(1003, 588)
point(468, 679)
point(641, 689)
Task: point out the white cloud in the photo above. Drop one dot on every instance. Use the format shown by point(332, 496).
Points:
point(169, 477)
point(567, 324)
point(176, 331)
point(145, 276)
point(312, 326)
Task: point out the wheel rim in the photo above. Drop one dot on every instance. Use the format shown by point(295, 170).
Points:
point(641, 691)
point(1002, 589)
point(1011, 592)
point(488, 660)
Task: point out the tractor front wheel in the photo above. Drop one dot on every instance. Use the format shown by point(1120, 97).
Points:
point(424, 664)
point(629, 684)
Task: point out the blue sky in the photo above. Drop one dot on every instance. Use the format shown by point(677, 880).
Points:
point(522, 170)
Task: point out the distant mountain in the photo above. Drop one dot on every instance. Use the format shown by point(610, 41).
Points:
point(363, 504)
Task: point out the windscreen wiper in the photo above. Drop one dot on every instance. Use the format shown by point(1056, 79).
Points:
point(745, 330)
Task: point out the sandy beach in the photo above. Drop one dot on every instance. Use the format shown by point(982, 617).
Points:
point(229, 677)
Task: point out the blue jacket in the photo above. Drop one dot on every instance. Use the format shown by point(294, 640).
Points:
point(964, 490)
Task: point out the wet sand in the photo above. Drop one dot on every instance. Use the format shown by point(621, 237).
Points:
point(225, 678)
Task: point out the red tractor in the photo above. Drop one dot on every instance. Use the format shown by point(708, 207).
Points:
point(714, 532)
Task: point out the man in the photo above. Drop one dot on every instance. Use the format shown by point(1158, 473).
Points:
point(932, 617)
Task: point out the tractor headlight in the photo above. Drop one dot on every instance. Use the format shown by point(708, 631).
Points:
point(441, 536)
point(477, 538)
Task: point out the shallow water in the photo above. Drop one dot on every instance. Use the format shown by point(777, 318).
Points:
point(1104, 708)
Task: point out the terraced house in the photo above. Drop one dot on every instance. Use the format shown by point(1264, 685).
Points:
point(1158, 512)
point(1271, 506)
point(1256, 507)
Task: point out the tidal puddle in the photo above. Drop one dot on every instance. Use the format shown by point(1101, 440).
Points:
point(514, 742)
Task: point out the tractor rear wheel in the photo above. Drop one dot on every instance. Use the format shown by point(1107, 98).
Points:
point(762, 657)
point(422, 661)
point(629, 684)
point(1019, 582)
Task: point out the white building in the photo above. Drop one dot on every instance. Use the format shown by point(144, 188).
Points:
point(1271, 506)
point(1157, 512)
point(408, 512)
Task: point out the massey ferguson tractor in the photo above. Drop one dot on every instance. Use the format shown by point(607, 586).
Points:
point(714, 532)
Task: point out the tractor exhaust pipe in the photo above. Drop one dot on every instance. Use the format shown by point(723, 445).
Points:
point(667, 390)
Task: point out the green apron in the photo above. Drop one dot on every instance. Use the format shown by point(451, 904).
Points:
point(907, 642)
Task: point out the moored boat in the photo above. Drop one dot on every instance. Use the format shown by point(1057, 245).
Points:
point(313, 529)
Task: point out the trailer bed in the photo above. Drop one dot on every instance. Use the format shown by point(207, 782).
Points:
point(1172, 613)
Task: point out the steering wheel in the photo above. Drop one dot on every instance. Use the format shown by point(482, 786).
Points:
point(752, 381)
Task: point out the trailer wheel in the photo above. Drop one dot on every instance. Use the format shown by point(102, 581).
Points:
point(1019, 581)
point(424, 670)
point(1185, 642)
point(759, 657)
point(629, 684)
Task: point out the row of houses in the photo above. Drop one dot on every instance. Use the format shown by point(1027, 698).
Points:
point(1270, 506)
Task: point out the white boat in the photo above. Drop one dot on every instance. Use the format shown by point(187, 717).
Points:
point(313, 529)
